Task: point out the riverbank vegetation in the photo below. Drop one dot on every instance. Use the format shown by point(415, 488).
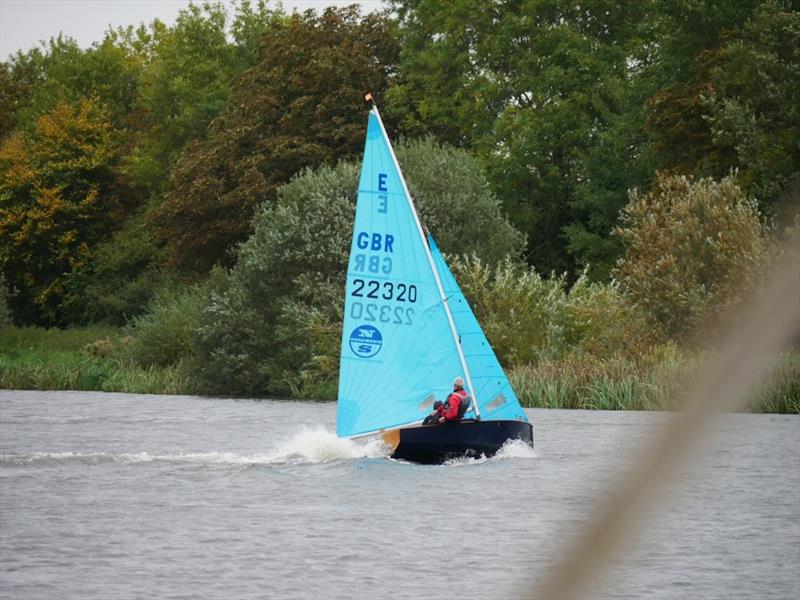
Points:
point(608, 184)
point(100, 359)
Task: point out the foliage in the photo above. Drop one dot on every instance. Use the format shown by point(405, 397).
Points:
point(18, 77)
point(652, 380)
point(600, 322)
point(165, 335)
point(691, 248)
point(620, 158)
point(183, 130)
point(123, 277)
point(79, 359)
point(5, 310)
point(739, 108)
point(455, 201)
point(187, 83)
point(58, 198)
point(649, 381)
point(300, 106)
point(781, 391)
point(62, 72)
point(528, 318)
point(531, 86)
point(277, 326)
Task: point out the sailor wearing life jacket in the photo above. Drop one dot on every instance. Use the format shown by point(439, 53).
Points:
point(456, 403)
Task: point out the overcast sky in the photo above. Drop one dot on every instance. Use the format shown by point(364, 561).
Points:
point(23, 23)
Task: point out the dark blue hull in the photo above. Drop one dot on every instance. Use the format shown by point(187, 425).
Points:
point(434, 444)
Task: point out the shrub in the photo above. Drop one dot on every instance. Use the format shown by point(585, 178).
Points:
point(103, 348)
point(165, 335)
point(600, 322)
point(691, 248)
point(528, 318)
point(124, 276)
point(521, 312)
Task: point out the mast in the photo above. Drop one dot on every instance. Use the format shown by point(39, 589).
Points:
point(439, 287)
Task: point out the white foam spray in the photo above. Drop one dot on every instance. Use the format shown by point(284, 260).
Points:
point(321, 445)
point(317, 445)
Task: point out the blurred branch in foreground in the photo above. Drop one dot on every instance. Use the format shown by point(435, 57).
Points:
point(746, 351)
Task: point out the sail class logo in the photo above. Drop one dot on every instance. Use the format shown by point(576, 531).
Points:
point(366, 341)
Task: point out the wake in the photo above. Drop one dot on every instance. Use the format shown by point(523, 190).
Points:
point(307, 446)
point(511, 449)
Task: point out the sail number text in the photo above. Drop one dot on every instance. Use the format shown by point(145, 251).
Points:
point(371, 289)
point(398, 315)
point(387, 290)
point(381, 245)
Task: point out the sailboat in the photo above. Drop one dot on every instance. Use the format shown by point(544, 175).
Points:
point(409, 331)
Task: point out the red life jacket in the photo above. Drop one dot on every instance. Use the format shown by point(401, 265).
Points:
point(453, 402)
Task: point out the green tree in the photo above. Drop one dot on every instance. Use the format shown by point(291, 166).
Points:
point(63, 72)
point(691, 249)
point(124, 275)
point(58, 198)
point(737, 108)
point(532, 86)
point(18, 77)
point(185, 85)
point(300, 106)
point(249, 22)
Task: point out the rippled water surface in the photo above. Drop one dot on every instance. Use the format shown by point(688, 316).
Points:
point(129, 496)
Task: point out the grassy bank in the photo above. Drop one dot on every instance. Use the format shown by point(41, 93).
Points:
point(650, 382)
point(91, 359)
point(95, 359)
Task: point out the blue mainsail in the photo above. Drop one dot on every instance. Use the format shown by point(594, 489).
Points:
point(400, 347)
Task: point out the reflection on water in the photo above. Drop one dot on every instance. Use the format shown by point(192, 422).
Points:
point(114, 495)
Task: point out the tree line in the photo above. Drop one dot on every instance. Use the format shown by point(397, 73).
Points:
point(147, 162)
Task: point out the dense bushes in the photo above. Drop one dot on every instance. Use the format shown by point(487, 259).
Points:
point(691, 249)
point(165, 335)
point(529, 318)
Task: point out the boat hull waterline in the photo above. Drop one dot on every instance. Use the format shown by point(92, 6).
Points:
point(435, 444)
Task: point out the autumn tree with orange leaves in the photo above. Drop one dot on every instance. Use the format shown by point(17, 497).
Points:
point(59, 196)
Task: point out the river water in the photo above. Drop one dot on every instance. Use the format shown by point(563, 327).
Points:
point(135, 496)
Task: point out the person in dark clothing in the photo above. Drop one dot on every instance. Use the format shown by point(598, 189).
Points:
point(433, 418)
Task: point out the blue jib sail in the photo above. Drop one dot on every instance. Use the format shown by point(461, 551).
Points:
point(496, 400)
point(399, 352)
